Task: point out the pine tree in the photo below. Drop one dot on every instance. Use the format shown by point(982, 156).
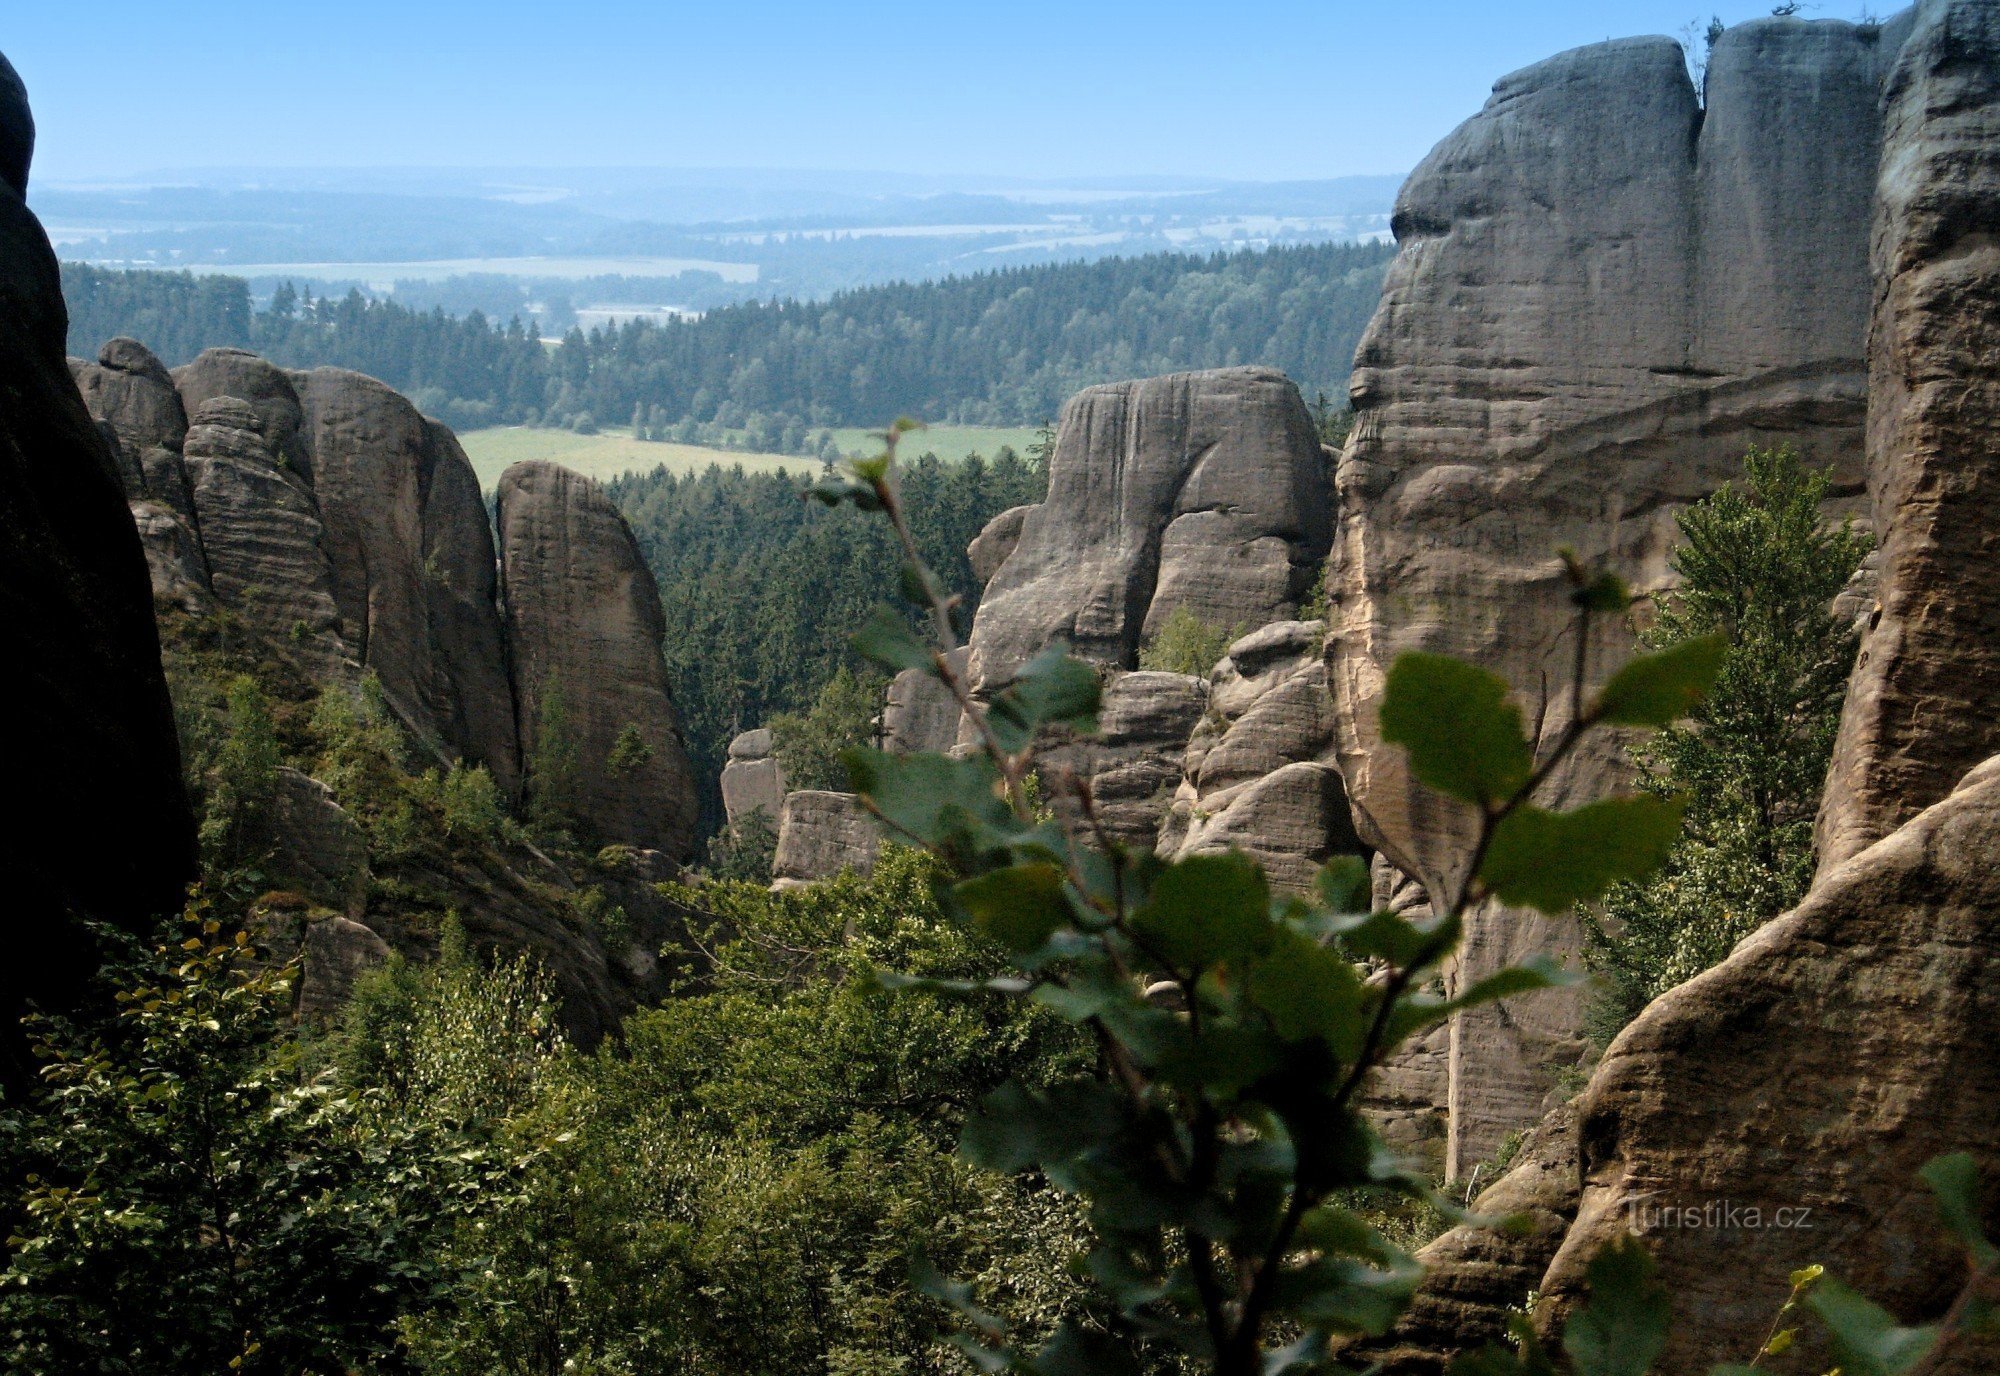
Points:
point(1758, 563)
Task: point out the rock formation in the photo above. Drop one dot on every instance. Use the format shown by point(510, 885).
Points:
point(995, 541)
point(584, 624)
point(1254, 776)
point(918, 712)
point(1921, 707)
point(821, 833)
point(1133, 763)
point(752, 778)
point(1604, 295)
point(104, 830)
point(1199, 490)
point(413, 564)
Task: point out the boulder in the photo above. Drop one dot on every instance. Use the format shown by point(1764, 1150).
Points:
point(1200, 490)
point(413, 564)
point(752, 778)
point(265, 387)
point(919, 713)
point(584, 622)
point(316, 845)
point(820, 834)
point(335, 952)
point(1603, 296)
point(262, 537)
point(1924, 703)
point(1814, 1072)
point(995, 541)
point(104, 831)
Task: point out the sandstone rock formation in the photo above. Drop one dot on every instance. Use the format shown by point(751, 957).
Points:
point(263, 540)
point(104, 831)
point(821, 833)
point(413, 564)
point(1838, 1050)
point(1203, 490)
point(752, 778)
point(336, 952)
point(128, 389)
point(1604, 295)
point(919, 712)
point(1133, 764)
point(995, 542)
point(318, 846)
point(584, 622)
point(1921, 708)
point(1254, 775)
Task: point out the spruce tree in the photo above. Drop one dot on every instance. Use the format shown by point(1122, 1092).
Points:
point(1758, 563)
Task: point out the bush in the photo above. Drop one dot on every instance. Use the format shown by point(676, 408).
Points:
point(842, 715)
point(1186, 644)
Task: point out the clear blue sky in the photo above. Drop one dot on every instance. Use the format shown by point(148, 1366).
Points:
point(1281, 89)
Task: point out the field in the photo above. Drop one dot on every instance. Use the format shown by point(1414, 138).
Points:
point(946, 441)
point(605, 455)
point(614, 451)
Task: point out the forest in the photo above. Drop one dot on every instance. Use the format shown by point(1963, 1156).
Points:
point(995, 348)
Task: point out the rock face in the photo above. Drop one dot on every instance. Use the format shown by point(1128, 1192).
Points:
point(1198, 490)
point(1254, 776)
point(919, 713)
point(821, 833)
point(1604, 295)
point(1921, 707)
point(264, 544)
point(995, 542)
point(106, 832)
point(318, 845)
point(413, 564)
point(129, 390)
point(1133, 764)
point(584, 622)
point(1838, 1050)
point(752, 778)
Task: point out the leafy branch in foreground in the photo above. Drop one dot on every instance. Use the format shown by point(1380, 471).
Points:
point(1235, 1027)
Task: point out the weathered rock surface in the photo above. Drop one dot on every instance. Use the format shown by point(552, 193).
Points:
point(336, 952)
point(584, 620)
point(1133, 764)
point(104, 831)
point(821, 833)
point(1924, 703)
point(1203, 490)
point(413, 564)
point(317, 845)
point(1476, 1278)
point(752, 778)
point(174, 558)
point(1254, 775)
point(919, 713)
point(995, 541)
point(130, 390)
point(1819, 1067)
point(261, 536)
point(1603, 297)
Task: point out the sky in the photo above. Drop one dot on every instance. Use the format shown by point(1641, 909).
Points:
point(1285, 89)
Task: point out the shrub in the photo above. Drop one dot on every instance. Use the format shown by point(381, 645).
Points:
point(1186, 644)
point(843, 714)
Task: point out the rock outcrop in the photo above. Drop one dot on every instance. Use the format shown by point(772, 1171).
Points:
point(1921, 708)
point(1254, 775)
point(413, 564)
point(1200, 490)
point(1133, 763)
point(752, 778)
point(1604, 295)
point(584, 625)
point(1817, 1069)
point(995, 541)
point(820, 834)
point(104, 830)
point(318, 846)
point(919, 713)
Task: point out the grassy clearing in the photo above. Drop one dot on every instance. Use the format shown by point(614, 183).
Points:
point(606, 454)
point(946, 441)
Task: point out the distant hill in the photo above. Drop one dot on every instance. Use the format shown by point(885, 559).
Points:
point(992, 348)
